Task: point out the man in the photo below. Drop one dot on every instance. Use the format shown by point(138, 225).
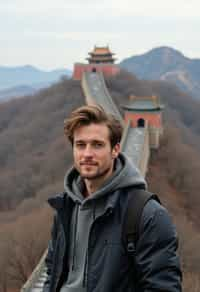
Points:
point(86, 252)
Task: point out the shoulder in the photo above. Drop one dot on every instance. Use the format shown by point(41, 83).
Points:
point(157, 219)
point(58, 201)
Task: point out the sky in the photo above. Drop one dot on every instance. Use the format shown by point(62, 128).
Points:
point(55, 34)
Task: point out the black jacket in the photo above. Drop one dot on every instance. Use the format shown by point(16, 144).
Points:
point(154, 268)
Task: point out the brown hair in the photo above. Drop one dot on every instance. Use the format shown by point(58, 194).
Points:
point(90, 114)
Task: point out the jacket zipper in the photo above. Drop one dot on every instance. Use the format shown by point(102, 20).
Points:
point(108, 212)
point(74, 237)
point(63, 252)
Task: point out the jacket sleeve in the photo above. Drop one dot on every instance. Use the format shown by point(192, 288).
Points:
point(157, 262)
point(50, 255)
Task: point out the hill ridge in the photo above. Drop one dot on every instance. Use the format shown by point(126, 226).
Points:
point(161, 63)
point(28, 75)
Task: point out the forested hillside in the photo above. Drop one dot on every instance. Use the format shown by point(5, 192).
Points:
point(32, 148)
point(34, 157)
point(181, 127)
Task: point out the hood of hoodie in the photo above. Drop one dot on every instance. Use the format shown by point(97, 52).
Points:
point(124, 175)
point(86, 210)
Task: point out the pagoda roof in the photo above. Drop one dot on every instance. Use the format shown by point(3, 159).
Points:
point(146, 103)
point(96, 58)
point(101, 51)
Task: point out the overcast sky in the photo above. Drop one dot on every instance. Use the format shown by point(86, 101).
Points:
point(52, 34)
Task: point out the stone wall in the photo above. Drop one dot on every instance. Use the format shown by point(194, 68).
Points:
point(106, 69)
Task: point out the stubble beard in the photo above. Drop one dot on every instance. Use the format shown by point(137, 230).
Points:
point(97, 175)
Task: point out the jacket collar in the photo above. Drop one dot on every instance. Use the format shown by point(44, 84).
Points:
point(112, 200)
point(59, 201)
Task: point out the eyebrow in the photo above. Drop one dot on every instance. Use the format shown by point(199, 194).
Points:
point(90, 141)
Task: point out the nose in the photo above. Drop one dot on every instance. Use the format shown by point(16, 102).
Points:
point(88, 151)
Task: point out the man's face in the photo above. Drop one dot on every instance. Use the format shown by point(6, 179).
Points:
point(93, 155)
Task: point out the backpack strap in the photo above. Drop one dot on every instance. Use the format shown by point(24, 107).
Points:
point(137, 199)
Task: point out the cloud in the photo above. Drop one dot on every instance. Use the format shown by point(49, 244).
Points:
point(72, 27)
point(156, 8)
point(100, 8)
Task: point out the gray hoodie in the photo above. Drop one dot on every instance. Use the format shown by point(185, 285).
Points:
point(87, 210)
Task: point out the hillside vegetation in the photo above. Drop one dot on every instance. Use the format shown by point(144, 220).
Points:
point(181, 126)
point(33, 149)
point(34, 157)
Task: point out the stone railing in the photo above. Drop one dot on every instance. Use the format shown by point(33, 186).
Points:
point(36, 281)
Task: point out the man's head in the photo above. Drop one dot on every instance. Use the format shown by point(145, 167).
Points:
point(95, 138)
point(92, 114)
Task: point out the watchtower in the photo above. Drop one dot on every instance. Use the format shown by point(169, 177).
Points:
point(146, 112)
point(101, 55)
point(100, 60)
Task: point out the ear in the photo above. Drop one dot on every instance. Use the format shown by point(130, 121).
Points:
point(116, 151)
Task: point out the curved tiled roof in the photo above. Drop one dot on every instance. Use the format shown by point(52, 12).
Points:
point(149, 103)
point(101, 59)
point(101, 51)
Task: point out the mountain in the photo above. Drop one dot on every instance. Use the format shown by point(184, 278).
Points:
point(35, 124)
point(29, 76)
point(168, 64)
point(34, 157)
point(17, 91)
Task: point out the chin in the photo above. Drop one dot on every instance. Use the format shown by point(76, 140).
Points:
point(88, 176)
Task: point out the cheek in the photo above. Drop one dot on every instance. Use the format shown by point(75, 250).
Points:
point(105, 157)
point(76, 155)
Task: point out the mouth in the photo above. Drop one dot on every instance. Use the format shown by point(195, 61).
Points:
point(88, 163)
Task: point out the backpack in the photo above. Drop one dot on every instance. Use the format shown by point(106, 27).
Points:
point(137, 199)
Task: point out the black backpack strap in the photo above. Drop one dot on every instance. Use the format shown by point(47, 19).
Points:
point(137, 199)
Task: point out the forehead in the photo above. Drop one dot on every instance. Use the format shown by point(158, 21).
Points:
point(98, 132)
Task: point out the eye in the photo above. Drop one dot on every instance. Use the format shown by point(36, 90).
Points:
point(80, 145)
point(98, 145)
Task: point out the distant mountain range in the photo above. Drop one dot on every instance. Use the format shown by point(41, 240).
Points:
point(17, 91)
point(168, 64)
point(163, 63)
point(23, 80)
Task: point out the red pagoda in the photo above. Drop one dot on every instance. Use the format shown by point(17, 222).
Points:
point(100, 60)
point(101, 55)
